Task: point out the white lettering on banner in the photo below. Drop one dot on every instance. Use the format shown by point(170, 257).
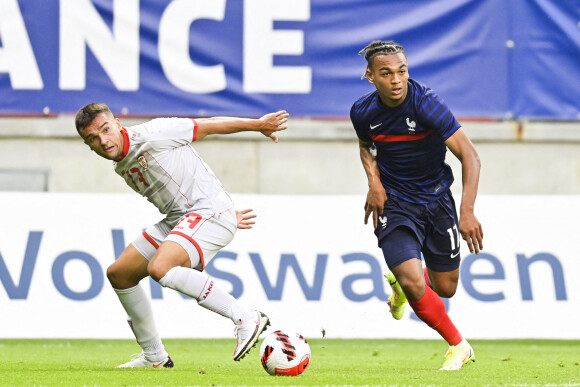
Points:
point(174, 46)
point(118, 52)
point(16, 55)
point(262, 42)
point(117, 49)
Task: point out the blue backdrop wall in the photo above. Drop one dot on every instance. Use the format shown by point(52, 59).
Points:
point(486, 58)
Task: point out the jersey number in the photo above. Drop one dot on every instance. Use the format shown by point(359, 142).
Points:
point(189, 221)
point(454, 237)
point(135, 172)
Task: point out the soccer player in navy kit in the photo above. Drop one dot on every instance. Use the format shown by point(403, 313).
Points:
point(404, 130)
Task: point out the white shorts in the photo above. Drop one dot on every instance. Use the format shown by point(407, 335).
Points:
point(202, 236)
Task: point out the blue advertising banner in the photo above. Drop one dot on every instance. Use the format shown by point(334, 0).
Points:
point(493, 58)
point(326, 273)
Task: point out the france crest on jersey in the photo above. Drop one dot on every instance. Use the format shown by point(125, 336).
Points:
point(410, 141)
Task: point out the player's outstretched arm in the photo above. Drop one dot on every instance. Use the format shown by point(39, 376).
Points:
point(469, 225)
point(245, 218)
point(268, 124)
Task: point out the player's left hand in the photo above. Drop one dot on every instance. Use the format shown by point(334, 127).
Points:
point(244, 218)
point(472, 232)
point(273, 122)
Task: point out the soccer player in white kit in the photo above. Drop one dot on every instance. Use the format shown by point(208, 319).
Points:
point(156, 160)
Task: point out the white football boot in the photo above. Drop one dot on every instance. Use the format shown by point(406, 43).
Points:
point(248, 332)
point(140, 361)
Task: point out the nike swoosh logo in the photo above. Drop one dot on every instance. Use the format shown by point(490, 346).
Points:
point(375, 126)
point(158, 364)
point(454, 255)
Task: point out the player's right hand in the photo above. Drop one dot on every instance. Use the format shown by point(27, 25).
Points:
point(376, 199)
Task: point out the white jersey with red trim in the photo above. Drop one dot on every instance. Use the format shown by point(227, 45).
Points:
point(161, 164)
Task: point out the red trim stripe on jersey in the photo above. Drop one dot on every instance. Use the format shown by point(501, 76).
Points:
point(194, 130)
point(151, 240)
point(200, 252)
point(400, 137)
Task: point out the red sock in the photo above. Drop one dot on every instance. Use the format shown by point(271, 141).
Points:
point(431, 310)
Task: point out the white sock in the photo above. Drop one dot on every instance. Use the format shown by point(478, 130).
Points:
point(140, 319)
point(462, 343)
point(200, 286)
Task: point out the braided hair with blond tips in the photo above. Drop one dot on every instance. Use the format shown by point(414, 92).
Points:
point(379, 47)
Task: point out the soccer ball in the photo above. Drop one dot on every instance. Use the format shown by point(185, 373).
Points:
point(285, 353)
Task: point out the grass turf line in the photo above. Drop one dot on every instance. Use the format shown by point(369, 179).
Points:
point(335, 362)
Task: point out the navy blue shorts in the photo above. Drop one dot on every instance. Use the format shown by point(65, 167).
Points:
point(407, 230)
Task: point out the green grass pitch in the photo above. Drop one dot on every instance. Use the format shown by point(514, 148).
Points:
point(352, 362)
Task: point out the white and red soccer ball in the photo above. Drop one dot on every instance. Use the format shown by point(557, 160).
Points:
point(285, 353)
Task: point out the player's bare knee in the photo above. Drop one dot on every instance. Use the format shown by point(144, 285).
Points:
point(413, 288)
point(113, 276)
point(446, 291)
point(450, 292)
point(157, 269)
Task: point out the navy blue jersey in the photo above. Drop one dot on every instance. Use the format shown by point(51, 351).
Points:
point(410, 141)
